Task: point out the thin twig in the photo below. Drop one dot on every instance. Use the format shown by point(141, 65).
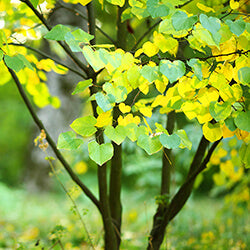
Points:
point(48, 56)
point(39, 123)
point(64, 46)
point(79, 13)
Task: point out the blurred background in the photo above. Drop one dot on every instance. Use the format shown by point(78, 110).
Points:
point(35, 210)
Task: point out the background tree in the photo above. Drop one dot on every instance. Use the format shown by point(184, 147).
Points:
point(193, 61)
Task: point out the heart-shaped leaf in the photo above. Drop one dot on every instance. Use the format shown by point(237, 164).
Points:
point(117, 134)
point(170, 141)
point(84, 126)
point(212, 24)
point(57, 33)
point(81, 86)
point(68, 141)
point(100, 153)
point(237, 27)
point(242, 120)
point(220, 111)
point(150, 144)
point(172, 70)
point(103, 101)
point(181, 21)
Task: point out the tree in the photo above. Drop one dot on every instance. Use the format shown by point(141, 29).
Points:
point(193, 60)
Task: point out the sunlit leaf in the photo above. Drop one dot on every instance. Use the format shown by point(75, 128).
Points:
point(150, 144)
point(220, 111)
point(57, 33)
point(185, 142)
point(212, 132)
point(100, 153)
point(84, 126)
point(81, 86)
point(117, 134)
point(172, 70)
point(103, 101)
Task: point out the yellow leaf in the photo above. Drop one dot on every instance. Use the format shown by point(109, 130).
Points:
point(124, 108)
point(148, 127)
point(165, 43)
point(104, 119)
point(227, 132)
point(150, 49)
point(212, 132)
point(234, 5)
point(144, 88)
point(81, 167)
point(204, 7)
point(185, 89)
point(190, 109)
point(219, 179)
point(146, 111)
point(160, 85)
point(138, 52)
point(84, 2)
point(205, 96)
point(124, 121)
point(204, 115)
point(160, 100)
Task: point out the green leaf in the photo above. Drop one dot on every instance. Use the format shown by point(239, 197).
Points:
point(118, 93)
point(57, 33)
point(68, 141)
point(81, 86)
point(133, 131)
point(117, 2)
point(100, 153)
point(126, 14)
point(181, 21)
point(117, 134)
point(172, 70)
point(230, 124)
point(150, 144)
point(34, 2)
point(237, 27)
point(1, 55)
point(149, 73)
point(156, 9)
point(25, 61)
point(242, 120)
point(185, 142)
point(103, 101)
point(220, 111)
point(244, 75)
point(196, 66)
point(93, 58)
point(14, 62)
point(212, 24)
point(170, 141)
point(84, 126)
point(82, 36)
point(72, 42)
point(244, 154)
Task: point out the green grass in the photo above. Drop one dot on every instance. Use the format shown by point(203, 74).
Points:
point(204, 223)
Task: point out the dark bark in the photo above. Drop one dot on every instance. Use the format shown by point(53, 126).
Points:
point(180, 198)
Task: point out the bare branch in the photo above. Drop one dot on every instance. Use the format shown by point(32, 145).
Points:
point(39, 123)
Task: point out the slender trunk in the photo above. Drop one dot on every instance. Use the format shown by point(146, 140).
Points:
point(165, 176)
point(116, 161)
point(158, 232)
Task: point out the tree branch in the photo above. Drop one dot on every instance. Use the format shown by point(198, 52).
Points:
point(39, 123)
point(64, 46)
point(85, 18)
point(43, 54)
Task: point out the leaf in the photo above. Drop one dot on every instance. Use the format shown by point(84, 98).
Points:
point(93, 58)
point(82, 36)
point(117, 134)
point(84, 2)
point(100, 153)
point(104, 119)
point(204, 7)
point(196, 66)
point(185, 142)
point(68, 141)
point(181, 21)
point(212, 132)
point(118, 92)
point(150, 49)
point(242, 120)
point(103, 101)
point(230, 124)
point(117, 2)
point(57, 33)
point(72, 42)
point(25, 61)
point(149, 73)
point(170, 141)
point(134, 132)
point(1, 55)
point(172, 70)
point(157, 10)
point(220, 111)
point(14, 62)
point(34, 2)
point(150, 144)
point(237, 27)
point(212, 24)
point(81, 86)
point(244, 75)
point(84, 126)
point(244, 153)
point(124, 108)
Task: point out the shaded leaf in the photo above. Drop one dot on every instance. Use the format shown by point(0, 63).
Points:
point(84, 126)
point(150, 144)
point(117, 134)
point(57, 33)
point(14, 62)
point(68, 141)
point(170, 141)
point(81, 86)
point(242, 120)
